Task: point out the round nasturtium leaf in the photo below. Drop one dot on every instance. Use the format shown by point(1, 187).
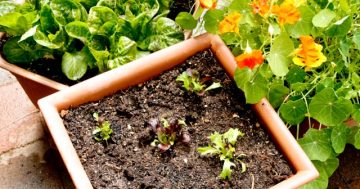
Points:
point(328, 109)
point(339, 136)
point(296, 74)
point(256, 89)
point(186, 21)
point(323, 18)
point(279, 56)
point(317, 145)
point(277, 94)
point(293, 112)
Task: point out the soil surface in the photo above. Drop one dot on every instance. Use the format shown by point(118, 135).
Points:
point(129, 161)
point(347, 176)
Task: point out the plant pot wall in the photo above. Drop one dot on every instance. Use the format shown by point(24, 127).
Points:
point(145, 68)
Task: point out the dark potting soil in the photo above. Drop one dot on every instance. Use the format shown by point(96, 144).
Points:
point(129, 161)
point(180, 6)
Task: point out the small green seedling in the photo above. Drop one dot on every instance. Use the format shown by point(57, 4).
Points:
point(191, 82)
point(103, 131)
point(168, 132)
point(224, 146)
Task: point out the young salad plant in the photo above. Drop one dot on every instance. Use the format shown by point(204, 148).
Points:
point(191, 82)
point(103, 131)
point(168, 132)
point(86, 34)
point(224, 146)
point(303, 56)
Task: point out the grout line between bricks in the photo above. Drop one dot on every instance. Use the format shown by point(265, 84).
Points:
point(43, 139)
point(36, 111)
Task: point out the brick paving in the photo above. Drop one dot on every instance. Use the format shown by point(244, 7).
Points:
point(26, 160)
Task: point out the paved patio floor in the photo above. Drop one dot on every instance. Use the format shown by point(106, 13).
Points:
point(26, 160)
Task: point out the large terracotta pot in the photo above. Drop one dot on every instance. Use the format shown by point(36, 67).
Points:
point(145, 68)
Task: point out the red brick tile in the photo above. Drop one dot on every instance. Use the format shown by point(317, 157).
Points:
point(14, 104)
point(20, 133)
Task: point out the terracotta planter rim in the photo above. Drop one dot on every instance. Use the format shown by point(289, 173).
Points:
point(138, 72)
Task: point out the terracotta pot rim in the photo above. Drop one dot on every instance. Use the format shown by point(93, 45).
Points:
point(137, 72)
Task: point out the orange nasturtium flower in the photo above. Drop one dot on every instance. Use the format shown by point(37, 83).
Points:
point(250, 58)
point(287, 13)
point(208, 4)
point(230, 23)
point(308, 53)
point(260, 7)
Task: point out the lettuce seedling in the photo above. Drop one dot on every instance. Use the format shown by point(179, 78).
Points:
point(224, 146)
point(191, 82)
point(167, 133)
point(103, 131)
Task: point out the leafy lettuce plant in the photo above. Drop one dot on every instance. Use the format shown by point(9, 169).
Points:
point(223, 145)
point(103, 131)
point(191, 82)
point(86, 34)
point(168, 132)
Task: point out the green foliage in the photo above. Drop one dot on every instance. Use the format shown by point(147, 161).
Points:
point(253, 84)
point(186, 21)
point(325, 169)
point(303, 26)
point(168, 132)
point(112, 33)
point(317, 144)
point(323, 18)
point(224, 145)
point(191, 82)
point(15, 53)
point(328, 109)
point(279, 57)
point(74, 65)
point(162, 33)
point(212, 19)
point(293, 112)
point(277, 94)
point(339, 135)
point(103, 131)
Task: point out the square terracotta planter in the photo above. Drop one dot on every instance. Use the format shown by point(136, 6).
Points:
point(146, 68)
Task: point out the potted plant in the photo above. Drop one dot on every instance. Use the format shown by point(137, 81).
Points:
point(42, 36)
point(55, 108)
point(302, 56)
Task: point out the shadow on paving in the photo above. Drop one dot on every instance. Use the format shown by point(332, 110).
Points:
point(35, 170)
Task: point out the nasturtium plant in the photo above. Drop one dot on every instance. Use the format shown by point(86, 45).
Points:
point(224, 146)
point(168, 132)
point(311, 49)
point(112, 33)
point(192, 82)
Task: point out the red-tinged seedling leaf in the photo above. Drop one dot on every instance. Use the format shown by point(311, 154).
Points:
point(168, 132)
